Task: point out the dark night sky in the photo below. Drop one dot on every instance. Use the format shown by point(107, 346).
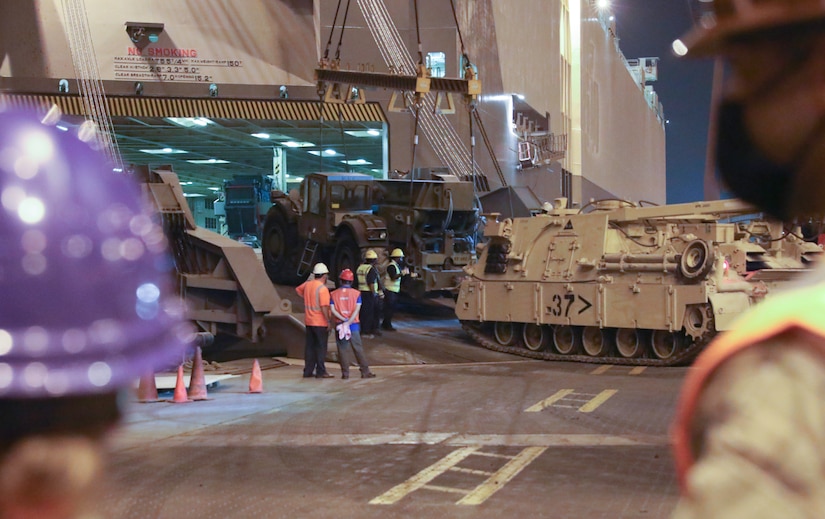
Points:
point(646, 28)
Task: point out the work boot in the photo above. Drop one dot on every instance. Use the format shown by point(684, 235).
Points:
point(368, 375)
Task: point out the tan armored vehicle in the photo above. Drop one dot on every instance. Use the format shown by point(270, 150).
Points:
point(623, 284)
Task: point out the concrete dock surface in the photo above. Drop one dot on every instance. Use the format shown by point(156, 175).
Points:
point(446, 429)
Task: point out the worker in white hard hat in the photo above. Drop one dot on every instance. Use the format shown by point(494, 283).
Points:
point(396, 270)
point(750, 424)
point(317, 320)
point(369, 284)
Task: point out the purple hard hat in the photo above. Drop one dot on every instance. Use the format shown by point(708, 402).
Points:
point(87, 300)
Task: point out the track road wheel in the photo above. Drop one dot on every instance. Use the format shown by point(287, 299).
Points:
point(347, 255)
point(505, 333)
point(595, 341)
point(630, 342)
point(281, 249)
point(566, 339)
point(698, 321)
point(664, 344)
point(535, 336)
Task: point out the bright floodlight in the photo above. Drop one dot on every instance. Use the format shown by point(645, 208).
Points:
point(603, 4)
point(679, 48)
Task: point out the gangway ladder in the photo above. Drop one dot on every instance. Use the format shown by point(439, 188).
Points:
point(492, 482)
point(307, 258)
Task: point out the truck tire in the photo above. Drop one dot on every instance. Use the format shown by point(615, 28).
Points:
point(347, 255)
point(281, 249)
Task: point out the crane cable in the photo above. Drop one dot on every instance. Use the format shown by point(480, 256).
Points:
point(473, 112)
point(332, 30)
point(418, 34)
point(442, 136)
point(341, 34)
point(458, 30)
point(93, 96)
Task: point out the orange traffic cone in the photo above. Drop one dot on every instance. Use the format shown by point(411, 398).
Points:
point(180, 388)
point(147, 389)
point(197, 382)
point(255, 382)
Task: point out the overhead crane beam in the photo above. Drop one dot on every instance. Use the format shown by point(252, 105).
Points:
point(397, 82)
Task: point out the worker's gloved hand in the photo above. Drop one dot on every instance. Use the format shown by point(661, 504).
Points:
point(405, 271)
point(381, 295)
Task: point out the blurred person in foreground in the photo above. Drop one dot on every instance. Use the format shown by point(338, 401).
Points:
point(88, 307)
point(749, 434)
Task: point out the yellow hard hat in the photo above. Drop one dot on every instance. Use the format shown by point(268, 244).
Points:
point(723, 21)
point(371, 255)
point(397, 253)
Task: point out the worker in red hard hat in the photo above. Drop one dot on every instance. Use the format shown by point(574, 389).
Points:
point(749, 430)
point(345, 306)
point(88, 307)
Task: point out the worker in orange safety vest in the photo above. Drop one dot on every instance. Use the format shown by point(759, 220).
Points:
point(317, 319)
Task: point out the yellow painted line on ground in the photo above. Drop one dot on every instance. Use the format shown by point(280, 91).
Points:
point(598, 400)
point(439, 488)
point(495, 482)
point(493, 455)
point(638, 370)
point(547, 402)
point(601, 369)
point(421, 479)
point(471, 471)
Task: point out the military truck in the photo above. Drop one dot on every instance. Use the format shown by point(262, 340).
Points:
point(335, 217)
point(329, 219)
point(624, 284)
point(434, 221)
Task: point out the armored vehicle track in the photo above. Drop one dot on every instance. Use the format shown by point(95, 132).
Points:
point(683, 356)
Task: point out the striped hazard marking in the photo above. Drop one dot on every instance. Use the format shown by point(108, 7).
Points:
point(493, 482)
point(584, 402)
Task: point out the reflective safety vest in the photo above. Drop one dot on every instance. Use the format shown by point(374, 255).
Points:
point(802, 308)
point(345, 300)
point(393, 285)
point(316, 296)
point(362, 272)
